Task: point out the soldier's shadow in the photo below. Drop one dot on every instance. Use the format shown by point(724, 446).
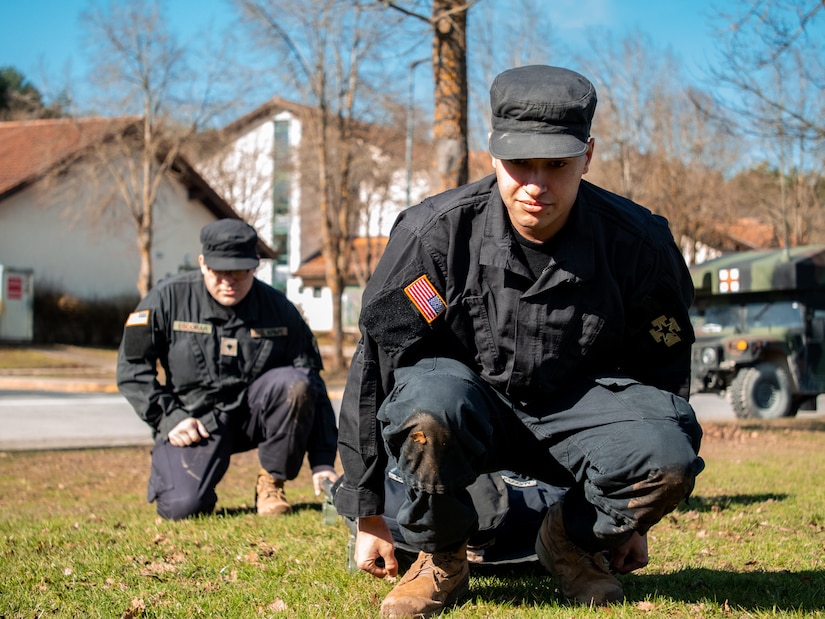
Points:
point(231, 512)
point(778, 591)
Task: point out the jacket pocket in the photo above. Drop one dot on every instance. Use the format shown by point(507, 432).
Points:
point(484, 335)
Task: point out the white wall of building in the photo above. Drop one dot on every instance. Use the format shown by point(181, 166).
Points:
point(53, 230)
point(243, 176)
point(257, 145)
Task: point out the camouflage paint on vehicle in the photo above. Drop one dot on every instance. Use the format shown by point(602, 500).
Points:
point(759, 318)
point(797, 268)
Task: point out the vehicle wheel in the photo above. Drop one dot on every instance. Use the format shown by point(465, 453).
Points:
point(762, 392)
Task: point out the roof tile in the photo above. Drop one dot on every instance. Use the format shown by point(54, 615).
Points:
point(30, 148)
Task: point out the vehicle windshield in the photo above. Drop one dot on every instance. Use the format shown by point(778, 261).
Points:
point(748, 317)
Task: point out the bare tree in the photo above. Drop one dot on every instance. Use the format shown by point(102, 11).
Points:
point(324, 55)
point(772, 80)
point(527, 39)
point(773, 70)
point(624, 122)
point(244, 175)
point(141, 69)
point(654, 144)
point(449, 61)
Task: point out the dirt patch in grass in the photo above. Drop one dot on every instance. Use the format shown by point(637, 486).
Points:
point(55, 356)
point(72, 477)
point(80, 540)
point(73, 482)
point(69, 361)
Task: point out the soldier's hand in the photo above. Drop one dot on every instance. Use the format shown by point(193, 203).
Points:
point(321, 473)
point(374, 549)
point(631, 555)
point(187, 432)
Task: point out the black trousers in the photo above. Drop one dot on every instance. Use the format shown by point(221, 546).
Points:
point(627, 451)
point(278, 418)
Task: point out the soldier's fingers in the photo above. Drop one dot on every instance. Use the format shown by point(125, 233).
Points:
point(202, 431)
point(391, 566)
point(371, 567)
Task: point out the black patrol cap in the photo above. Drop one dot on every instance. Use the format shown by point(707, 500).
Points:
point(229, 245)
point(540, 112)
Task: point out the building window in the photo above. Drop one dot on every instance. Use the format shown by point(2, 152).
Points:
point(281, 169)
point(280, 191)
point(279, 244)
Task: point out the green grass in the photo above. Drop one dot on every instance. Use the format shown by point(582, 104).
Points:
point(77, 539)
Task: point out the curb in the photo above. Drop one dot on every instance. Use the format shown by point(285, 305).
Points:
point(42, 383)
point(75, 385)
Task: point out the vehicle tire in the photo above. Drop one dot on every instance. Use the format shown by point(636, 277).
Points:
point(762, 392)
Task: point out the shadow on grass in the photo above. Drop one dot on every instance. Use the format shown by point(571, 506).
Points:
point(726, 501)
point(777, 591)
point(229, 512)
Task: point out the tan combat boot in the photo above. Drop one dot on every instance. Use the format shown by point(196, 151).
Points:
point(270, 497)
point(582, 577)
point(434, 582)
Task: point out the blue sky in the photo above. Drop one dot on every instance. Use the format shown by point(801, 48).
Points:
point(44, 38)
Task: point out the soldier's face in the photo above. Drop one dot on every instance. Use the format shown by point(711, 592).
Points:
point(539, 193)
point(227, 287)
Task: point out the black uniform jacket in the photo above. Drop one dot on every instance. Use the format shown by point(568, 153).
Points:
point(211, 353)
point(613, 301)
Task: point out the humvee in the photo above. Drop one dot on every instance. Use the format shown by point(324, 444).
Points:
point(759, 318)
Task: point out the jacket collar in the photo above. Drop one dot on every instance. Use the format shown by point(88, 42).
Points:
point(214, 311)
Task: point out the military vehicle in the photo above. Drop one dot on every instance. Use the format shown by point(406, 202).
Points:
point(759, 318)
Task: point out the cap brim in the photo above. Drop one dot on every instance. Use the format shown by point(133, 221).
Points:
point(220, 263)
point(509, 145)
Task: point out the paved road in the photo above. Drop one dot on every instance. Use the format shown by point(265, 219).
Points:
point(63, 420)
point(48, 420)
point(31, 419)
point(711, 407)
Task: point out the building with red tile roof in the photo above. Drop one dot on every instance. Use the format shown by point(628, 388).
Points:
point(61, 216)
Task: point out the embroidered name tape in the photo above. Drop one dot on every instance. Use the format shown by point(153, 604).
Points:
point(269, 332)
point(191, 327)
point(426, 298)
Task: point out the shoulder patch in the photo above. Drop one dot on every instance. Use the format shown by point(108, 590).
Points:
point(425, 298)
point(665, 330)
point(138, 319)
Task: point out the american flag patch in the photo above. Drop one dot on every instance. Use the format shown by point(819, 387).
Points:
point(138, 319)
point(425, 298)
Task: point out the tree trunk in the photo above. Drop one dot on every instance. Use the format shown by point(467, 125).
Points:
point(337, 358)
point(144, 244)
point(329, 236)
point(450, 76)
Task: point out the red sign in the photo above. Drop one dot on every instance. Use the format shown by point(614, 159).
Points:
point(15, 288)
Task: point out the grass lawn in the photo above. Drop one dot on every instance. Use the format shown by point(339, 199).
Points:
point(77, 539)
